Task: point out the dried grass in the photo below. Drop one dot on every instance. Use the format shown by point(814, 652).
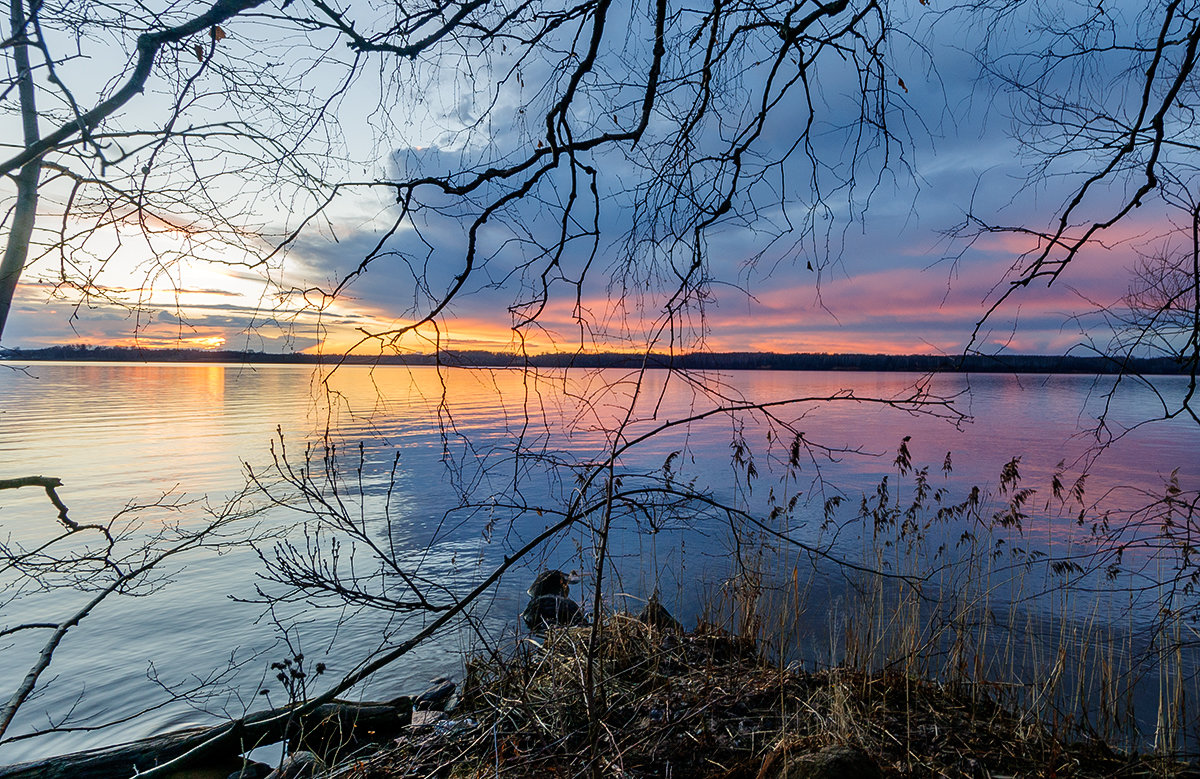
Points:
point(706, 704)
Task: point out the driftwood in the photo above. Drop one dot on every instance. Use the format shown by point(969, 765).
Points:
point(326, 729)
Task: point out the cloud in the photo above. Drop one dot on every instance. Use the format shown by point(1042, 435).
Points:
point(36, 321)
point(885, 276)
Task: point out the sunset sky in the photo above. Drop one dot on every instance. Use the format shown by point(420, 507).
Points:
point(892, 280)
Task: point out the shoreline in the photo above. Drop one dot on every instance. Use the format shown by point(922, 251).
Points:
point(701, 361)
point(704, 703)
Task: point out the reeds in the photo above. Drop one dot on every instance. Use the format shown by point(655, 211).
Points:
point(710, 704)
point(1094, 637)
point(958, 636)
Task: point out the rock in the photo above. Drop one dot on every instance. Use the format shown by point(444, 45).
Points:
point(656, 616)
point(435, 697)
point(833, 762)
point(423, 718)
point(553, 583)
point(337, 727)
point(551, 611)
point(298, 765)
point(252, 770)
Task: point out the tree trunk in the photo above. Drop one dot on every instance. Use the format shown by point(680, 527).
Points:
point(16, 248)
point(326, 730)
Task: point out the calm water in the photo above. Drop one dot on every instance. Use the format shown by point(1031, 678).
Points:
point(129, 434)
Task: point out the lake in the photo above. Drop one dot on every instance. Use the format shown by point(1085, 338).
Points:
point(451, 471)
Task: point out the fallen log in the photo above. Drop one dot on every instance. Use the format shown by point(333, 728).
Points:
point(325, 729)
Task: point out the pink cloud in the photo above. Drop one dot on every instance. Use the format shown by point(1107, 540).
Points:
point(859, 306)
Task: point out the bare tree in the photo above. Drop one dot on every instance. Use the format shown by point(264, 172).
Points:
point(133, 160)
point(598, 149)
point(675, 147)
point(658, 116)
point(213, 139)
point(1159, 315)
point(74, 568)
point(1102, 98)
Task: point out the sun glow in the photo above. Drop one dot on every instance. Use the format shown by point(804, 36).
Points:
point(206, 342)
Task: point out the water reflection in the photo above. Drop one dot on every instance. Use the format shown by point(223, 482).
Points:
point(438, 478)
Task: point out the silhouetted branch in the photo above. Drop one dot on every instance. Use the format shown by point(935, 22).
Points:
point(49, 484)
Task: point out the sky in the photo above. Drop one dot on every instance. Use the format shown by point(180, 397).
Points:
point(881, 272)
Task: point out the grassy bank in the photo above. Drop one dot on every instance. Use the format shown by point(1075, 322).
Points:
point(708, 704)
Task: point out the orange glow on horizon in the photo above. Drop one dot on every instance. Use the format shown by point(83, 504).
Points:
point(153, 342)
point(808, 341)
point(891, 311)
point(803, 340)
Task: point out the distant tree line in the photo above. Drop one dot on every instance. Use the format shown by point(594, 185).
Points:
point(727, 361)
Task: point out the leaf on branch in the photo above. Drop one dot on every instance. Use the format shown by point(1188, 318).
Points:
point(901, 82)
point(199, 50)
point(217, 33)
